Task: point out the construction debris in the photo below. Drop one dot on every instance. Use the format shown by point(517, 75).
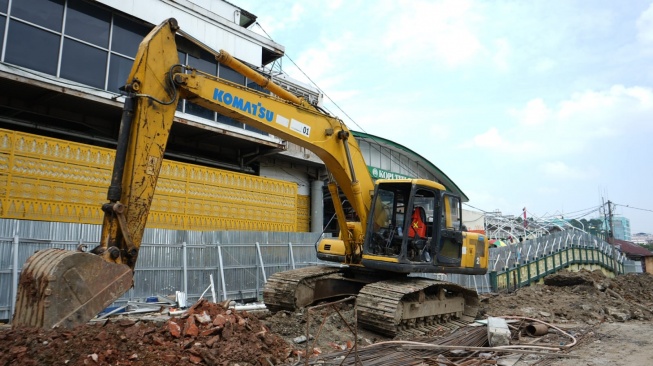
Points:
point(206, 334)
point(218, 334)
point(498, 333)
point(578, 297)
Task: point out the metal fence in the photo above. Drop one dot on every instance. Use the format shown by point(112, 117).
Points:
point(169, 260)
point(512, 255)
point(238, 261)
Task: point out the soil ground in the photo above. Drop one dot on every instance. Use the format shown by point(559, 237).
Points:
point(611, 319)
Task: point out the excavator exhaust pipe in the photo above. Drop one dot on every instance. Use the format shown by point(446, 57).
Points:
point(60, 288)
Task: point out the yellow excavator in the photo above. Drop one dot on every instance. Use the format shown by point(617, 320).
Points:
point(402, 227)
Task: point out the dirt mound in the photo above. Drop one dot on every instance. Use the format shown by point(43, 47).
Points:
point(207, 334)
point(330, 328)
point(584, 296)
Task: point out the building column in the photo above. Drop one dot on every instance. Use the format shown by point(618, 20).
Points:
point(317, 206)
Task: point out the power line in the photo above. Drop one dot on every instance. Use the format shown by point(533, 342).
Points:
point(634, 208)
point(585, 211)
point(476, 208)
point(406, 167)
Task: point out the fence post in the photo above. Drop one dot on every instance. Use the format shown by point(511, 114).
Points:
point(507, 273)
point(493, 281)
point(185, 266)
point(14, 276)
point(291, 255)
point(260, 258)
point(224, 285)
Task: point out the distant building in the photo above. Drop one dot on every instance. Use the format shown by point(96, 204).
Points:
point(642, 238)
point(621, 227)
point(636, 253)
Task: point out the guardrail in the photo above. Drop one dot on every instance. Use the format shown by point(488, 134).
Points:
point(520, 265)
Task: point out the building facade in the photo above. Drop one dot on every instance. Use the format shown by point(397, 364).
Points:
point(62, 64)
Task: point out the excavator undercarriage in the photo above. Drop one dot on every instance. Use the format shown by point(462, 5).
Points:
point(386, 304)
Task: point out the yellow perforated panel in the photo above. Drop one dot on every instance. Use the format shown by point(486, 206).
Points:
point(303, 213)
point(56, 180)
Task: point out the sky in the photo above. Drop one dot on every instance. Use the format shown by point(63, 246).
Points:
point(546, 105)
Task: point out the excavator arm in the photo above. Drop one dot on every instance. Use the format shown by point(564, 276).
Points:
point(63, 288)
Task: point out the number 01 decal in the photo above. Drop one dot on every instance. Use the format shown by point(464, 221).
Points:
point(300, 128)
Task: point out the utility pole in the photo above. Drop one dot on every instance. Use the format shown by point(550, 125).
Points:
point(615, 266)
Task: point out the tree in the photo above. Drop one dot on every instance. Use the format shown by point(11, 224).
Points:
point(648, 245)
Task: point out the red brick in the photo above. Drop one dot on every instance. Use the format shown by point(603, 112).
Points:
point(174, 329)
point(190, 328)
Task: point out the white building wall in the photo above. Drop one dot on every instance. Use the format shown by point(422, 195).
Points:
point(284, 170)
point(210, 21)
point(473, 220)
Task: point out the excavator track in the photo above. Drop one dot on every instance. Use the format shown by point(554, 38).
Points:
point(415, 306)
point(294, 289)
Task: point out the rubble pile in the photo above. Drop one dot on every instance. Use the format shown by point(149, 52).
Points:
point(578, 297)
point(207, 334)
point(213, 334)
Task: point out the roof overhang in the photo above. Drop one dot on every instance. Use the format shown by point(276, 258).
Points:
point(425, 163)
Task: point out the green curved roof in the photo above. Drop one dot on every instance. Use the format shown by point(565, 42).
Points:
point(439, 174)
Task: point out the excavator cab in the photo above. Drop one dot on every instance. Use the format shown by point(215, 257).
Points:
point(416, 226)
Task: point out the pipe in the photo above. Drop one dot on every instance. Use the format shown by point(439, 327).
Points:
point(536, 329)
point(225, 58)
point(249, 307)
point(573, 339)
point(115, 189)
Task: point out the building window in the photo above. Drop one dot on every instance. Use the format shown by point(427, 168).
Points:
point(119, 68)
point(45, 13)
point(127, 35)
point(87, 43)
point(3, 22)
point(83, 63)
point(205, 63)
point(32, 47)
point(88, 23)
point(228, 73)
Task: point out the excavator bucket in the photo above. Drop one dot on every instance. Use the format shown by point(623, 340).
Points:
point(60, 288)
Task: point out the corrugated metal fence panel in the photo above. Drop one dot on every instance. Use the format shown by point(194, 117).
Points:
point(6, 277)
point(160, 267)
